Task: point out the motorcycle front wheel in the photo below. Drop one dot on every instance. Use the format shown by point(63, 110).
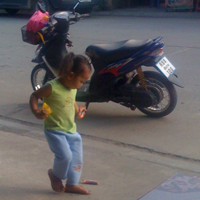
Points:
point(164, 92)
point(39, 76)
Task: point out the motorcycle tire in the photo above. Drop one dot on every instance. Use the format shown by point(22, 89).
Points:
point(40, 75)
point(163, 90)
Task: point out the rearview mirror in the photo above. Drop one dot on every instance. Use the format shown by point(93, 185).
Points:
point(80, 1)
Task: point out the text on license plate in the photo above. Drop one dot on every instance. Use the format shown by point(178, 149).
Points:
point(165, 67)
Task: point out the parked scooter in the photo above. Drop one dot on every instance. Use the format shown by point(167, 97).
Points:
point(118, 75)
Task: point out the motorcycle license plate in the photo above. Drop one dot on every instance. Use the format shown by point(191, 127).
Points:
point(166, 67)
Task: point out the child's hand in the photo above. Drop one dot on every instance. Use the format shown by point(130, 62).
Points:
point(46, 109)
point(81, 112)
point(40, 114)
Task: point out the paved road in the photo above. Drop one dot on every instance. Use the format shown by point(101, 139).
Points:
point(120, 124)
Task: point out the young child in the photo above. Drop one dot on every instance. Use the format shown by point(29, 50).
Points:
point(59, 127)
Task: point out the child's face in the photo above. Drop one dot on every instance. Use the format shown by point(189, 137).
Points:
point(75, 82)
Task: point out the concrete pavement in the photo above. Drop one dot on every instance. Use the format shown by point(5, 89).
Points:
point(122, 172)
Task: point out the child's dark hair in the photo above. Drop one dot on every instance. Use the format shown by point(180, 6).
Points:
point(73, 63)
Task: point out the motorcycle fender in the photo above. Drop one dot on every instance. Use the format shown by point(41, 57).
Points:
point(37, 60)
point(174, 79)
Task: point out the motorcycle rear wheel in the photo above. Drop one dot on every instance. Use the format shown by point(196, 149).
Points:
point(39, 76)
point(163, 90)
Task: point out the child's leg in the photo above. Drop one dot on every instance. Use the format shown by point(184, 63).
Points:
point(56, 183)
point(75, 167)
point(59, 146)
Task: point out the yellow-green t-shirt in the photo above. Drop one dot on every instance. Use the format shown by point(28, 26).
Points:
point(61, 101)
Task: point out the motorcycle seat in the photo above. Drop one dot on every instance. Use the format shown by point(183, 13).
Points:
point(116, 51)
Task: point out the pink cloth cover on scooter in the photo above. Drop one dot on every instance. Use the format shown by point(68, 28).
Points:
point(37, 21)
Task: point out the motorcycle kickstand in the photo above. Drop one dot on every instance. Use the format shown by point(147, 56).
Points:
point(87, 104)
point(132, 107)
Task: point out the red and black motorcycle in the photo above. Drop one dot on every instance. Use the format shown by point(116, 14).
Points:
point(118, 68)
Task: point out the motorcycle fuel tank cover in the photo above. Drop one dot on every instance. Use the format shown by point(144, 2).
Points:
point(62, 25)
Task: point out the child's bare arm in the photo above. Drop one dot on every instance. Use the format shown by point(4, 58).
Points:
point(76, 108)
point(44, 91)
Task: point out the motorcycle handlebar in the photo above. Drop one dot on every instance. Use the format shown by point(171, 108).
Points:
point(76, 17)
point(46, 31)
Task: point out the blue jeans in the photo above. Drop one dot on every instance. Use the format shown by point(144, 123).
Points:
point(68, 160)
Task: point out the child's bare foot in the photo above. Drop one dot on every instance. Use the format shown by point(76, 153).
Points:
point(76, 189)
point(56, 183)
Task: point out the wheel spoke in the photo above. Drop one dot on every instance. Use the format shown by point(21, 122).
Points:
point(40, 78)
point(163, 93)
point(164, 101)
